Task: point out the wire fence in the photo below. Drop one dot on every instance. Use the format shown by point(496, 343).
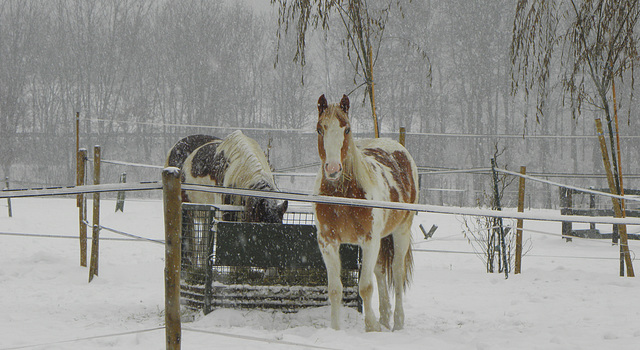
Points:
point(319, 199)
point(446, 159)
point(304, 197)
point(82, 339)
point(416, 245)
point(446, 195)
point(310, 130)
point(187, 329)
point(300, 197)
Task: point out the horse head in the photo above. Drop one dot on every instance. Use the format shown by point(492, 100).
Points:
point(265, 210)
point(334, 136)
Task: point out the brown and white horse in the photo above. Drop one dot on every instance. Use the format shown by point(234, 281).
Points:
point(235, 162)
point(375, 169)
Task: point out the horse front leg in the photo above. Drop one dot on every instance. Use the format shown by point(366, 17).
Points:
point(369, 259)
point(331, 256)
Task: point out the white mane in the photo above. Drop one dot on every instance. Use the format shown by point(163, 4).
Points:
point(247, 162)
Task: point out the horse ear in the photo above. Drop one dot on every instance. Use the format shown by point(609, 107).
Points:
point(344, 104)
point(284, 206)
point(322, 104)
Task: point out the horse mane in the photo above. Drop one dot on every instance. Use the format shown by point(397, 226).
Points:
point(248, 166)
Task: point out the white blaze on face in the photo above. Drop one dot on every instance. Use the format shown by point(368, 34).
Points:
point(333, 141)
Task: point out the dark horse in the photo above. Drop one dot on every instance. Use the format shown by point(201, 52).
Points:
point(235, 162)
point(375, 169)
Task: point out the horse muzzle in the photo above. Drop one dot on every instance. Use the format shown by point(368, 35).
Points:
point(332, 170)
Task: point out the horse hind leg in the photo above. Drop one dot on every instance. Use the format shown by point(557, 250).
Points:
point(402, 262)
point(331, 256)
point(383, 297)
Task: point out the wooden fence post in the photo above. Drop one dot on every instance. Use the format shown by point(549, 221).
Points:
point(6, 181)
point(566, 202)
point(82, 206)
point(95, 236)
point(121, 195)
point(520, 223)
point(172, 199)
point(79, 162)
point(402, 137)
point(592, 206)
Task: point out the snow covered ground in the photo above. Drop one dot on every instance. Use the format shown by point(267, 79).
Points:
point(569, 295)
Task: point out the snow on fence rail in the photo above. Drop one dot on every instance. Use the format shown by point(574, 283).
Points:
point(84, 189)
point(139, 165)
point(553, 183)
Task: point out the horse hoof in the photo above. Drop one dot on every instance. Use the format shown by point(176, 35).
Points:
point(385, 323)
point(397, 327)
point(373, 327)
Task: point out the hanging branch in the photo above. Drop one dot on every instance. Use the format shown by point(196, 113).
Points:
point(598, 45)
point(364, 31)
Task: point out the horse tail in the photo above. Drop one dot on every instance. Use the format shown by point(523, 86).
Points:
point(385, 261)
point(408, 267)
point(385, 258)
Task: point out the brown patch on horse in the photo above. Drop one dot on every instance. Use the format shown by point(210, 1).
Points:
point(345, 223)
point(183, 148)
point(408, 185)
point(208, 162)
point(395, 219)
point(321, 151)
point(398, 164)
point(333, 111)
point(404, 190)
point(393, 195)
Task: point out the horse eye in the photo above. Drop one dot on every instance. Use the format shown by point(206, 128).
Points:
point(319, 130)
point(347, 131)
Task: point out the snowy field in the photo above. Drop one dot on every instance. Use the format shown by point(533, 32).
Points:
point(569, 295)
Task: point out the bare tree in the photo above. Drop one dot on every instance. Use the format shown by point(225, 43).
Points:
point(596, 43)
point(492, 239)
point(18, 30)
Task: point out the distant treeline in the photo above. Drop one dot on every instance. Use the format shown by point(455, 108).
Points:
point(139, 67)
